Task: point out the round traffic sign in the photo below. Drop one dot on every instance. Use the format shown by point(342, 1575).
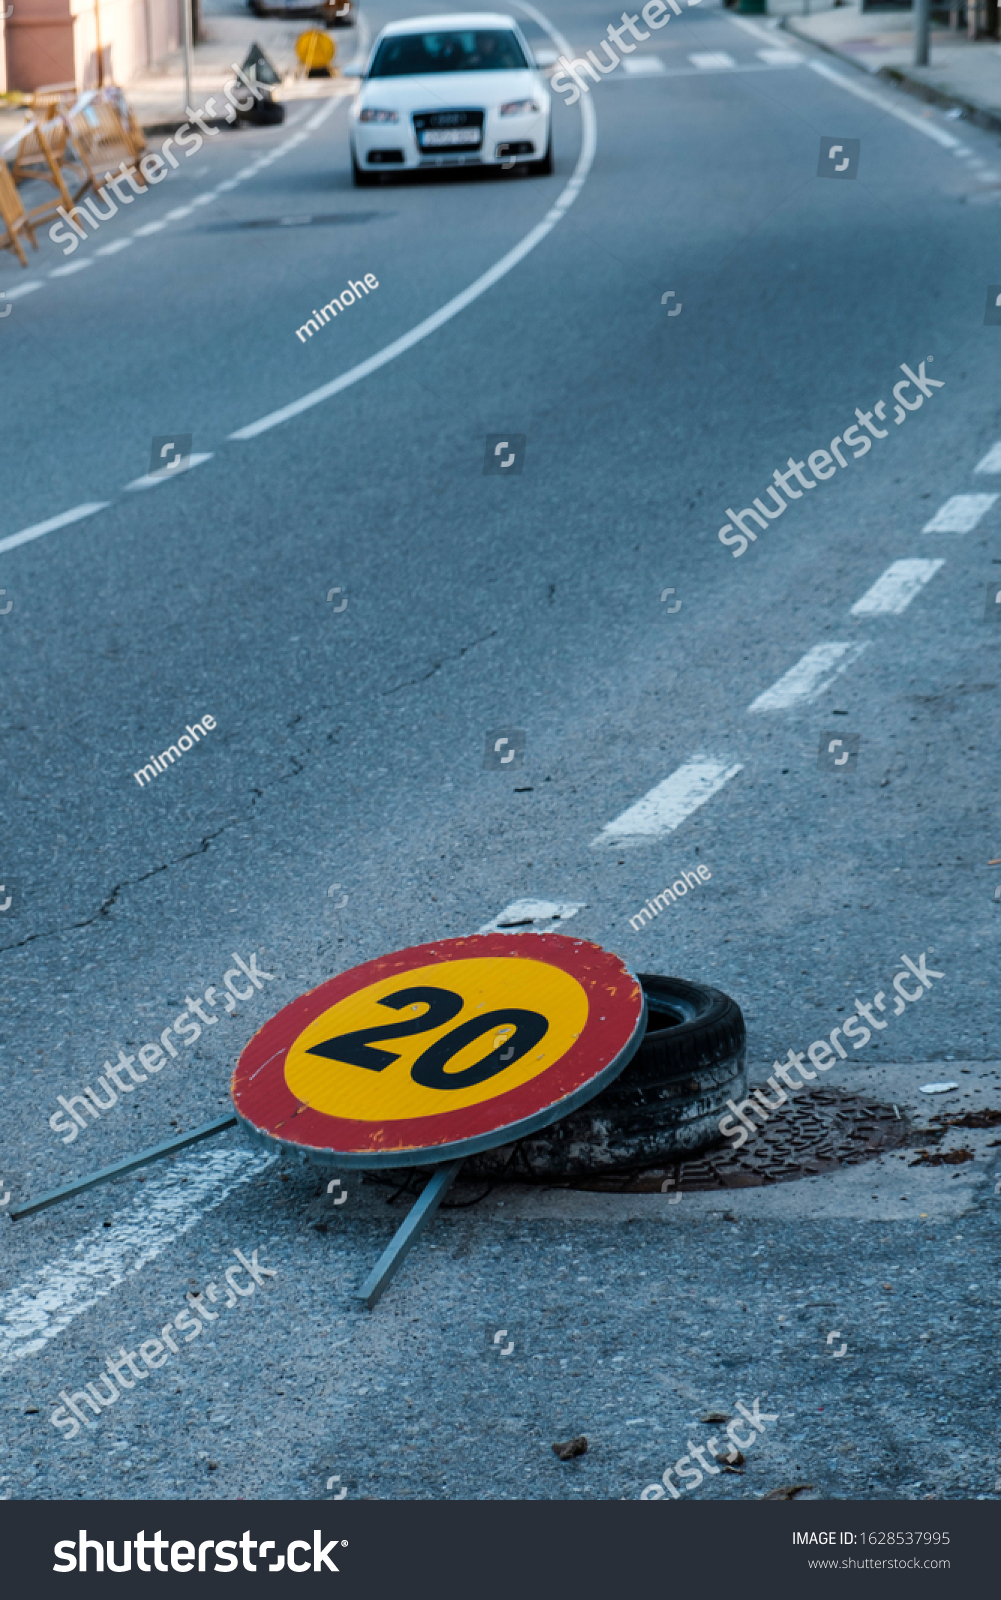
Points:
point(315, 49)
point(441, 1050)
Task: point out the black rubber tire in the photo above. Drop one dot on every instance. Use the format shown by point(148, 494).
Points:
point(359, 177)
point(543, 168)
point(664, 1106)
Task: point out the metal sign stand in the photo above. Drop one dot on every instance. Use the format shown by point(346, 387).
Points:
point(407, 1234)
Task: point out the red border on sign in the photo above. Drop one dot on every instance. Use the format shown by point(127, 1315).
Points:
point(615, 1003)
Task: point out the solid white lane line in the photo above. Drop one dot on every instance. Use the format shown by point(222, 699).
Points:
point(168, 473)
point(960, 514)
point(990, 463)
point(36, 1311)
point(524, 916)
point(893, 592)
point(23, 288)
point(62, 521)
point(811, 675)
point(431, 324)
point(668, 804)
point(929, 129)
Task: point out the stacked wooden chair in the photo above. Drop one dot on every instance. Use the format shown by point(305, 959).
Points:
point(38, 151)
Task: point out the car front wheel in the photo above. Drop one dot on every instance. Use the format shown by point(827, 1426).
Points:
point(543, 168)
point(360, 178)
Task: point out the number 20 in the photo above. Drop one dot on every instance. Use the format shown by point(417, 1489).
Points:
point(358, 1050)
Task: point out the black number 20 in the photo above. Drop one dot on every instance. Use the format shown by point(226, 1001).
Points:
point(428, 1070)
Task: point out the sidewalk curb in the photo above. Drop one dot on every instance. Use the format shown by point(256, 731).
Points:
point(901, 79)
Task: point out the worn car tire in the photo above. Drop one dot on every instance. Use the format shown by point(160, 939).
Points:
point(665, 1105)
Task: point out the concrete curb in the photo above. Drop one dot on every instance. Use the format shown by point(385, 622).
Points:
point(980, 116)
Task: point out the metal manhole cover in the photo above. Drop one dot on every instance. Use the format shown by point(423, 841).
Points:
point(816, 1133)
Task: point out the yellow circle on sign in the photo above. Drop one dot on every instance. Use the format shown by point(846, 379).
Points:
point(487, 987)
point(315, 49)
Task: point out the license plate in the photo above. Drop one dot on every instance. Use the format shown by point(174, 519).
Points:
point(443, 137)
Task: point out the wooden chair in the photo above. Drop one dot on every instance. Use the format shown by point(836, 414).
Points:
point(100, 140)
point(51, 98)
point(14, 217)
point(38, 152)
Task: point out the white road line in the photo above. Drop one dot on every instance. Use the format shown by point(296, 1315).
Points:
point(712, 60)
point(861, 93)
point(178, 212)
point(23, 288)
point(150, 227)
point(893, 592)
point(669, 803)
point(319, 117)
point(644, 66)
point(960, 514)
point(36, 1311)
point(525, 916)
point(166, 474)
point(74, 266)
point(780, 58)
point(811, 675)
point(204, 199)
point(431, 324)
point(113, 248)
point(62, 521)
point(990, 463)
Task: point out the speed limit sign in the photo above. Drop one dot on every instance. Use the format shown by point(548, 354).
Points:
point(441, 1050)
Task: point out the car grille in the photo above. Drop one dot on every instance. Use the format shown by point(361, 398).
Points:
point(448, 132)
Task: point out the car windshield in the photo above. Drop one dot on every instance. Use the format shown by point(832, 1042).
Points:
point(468, 50)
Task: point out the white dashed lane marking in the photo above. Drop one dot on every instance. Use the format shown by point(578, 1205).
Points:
point(62, 521)
point(34, 1312)
point(811, 675)
point(712, 61)
point(644, 67)
point(153, 478)
point(527, 916)
point(990, 463)
point(960, 514)
point(22, 288)
point(893, 592)
point(669, 803)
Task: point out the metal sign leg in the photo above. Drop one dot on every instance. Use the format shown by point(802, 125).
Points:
point(407, 1234)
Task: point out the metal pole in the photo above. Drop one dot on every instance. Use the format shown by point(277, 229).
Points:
point(143, 1159)
point(186, 8)
point(407, 1234)
point(921, 25)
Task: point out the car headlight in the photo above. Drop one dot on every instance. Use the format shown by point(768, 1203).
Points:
point(518, 108)
point(369, 114)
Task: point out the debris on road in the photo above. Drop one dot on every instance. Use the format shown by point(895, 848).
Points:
point(572, 1448)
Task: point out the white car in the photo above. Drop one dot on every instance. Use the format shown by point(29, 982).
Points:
point(451, 91)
